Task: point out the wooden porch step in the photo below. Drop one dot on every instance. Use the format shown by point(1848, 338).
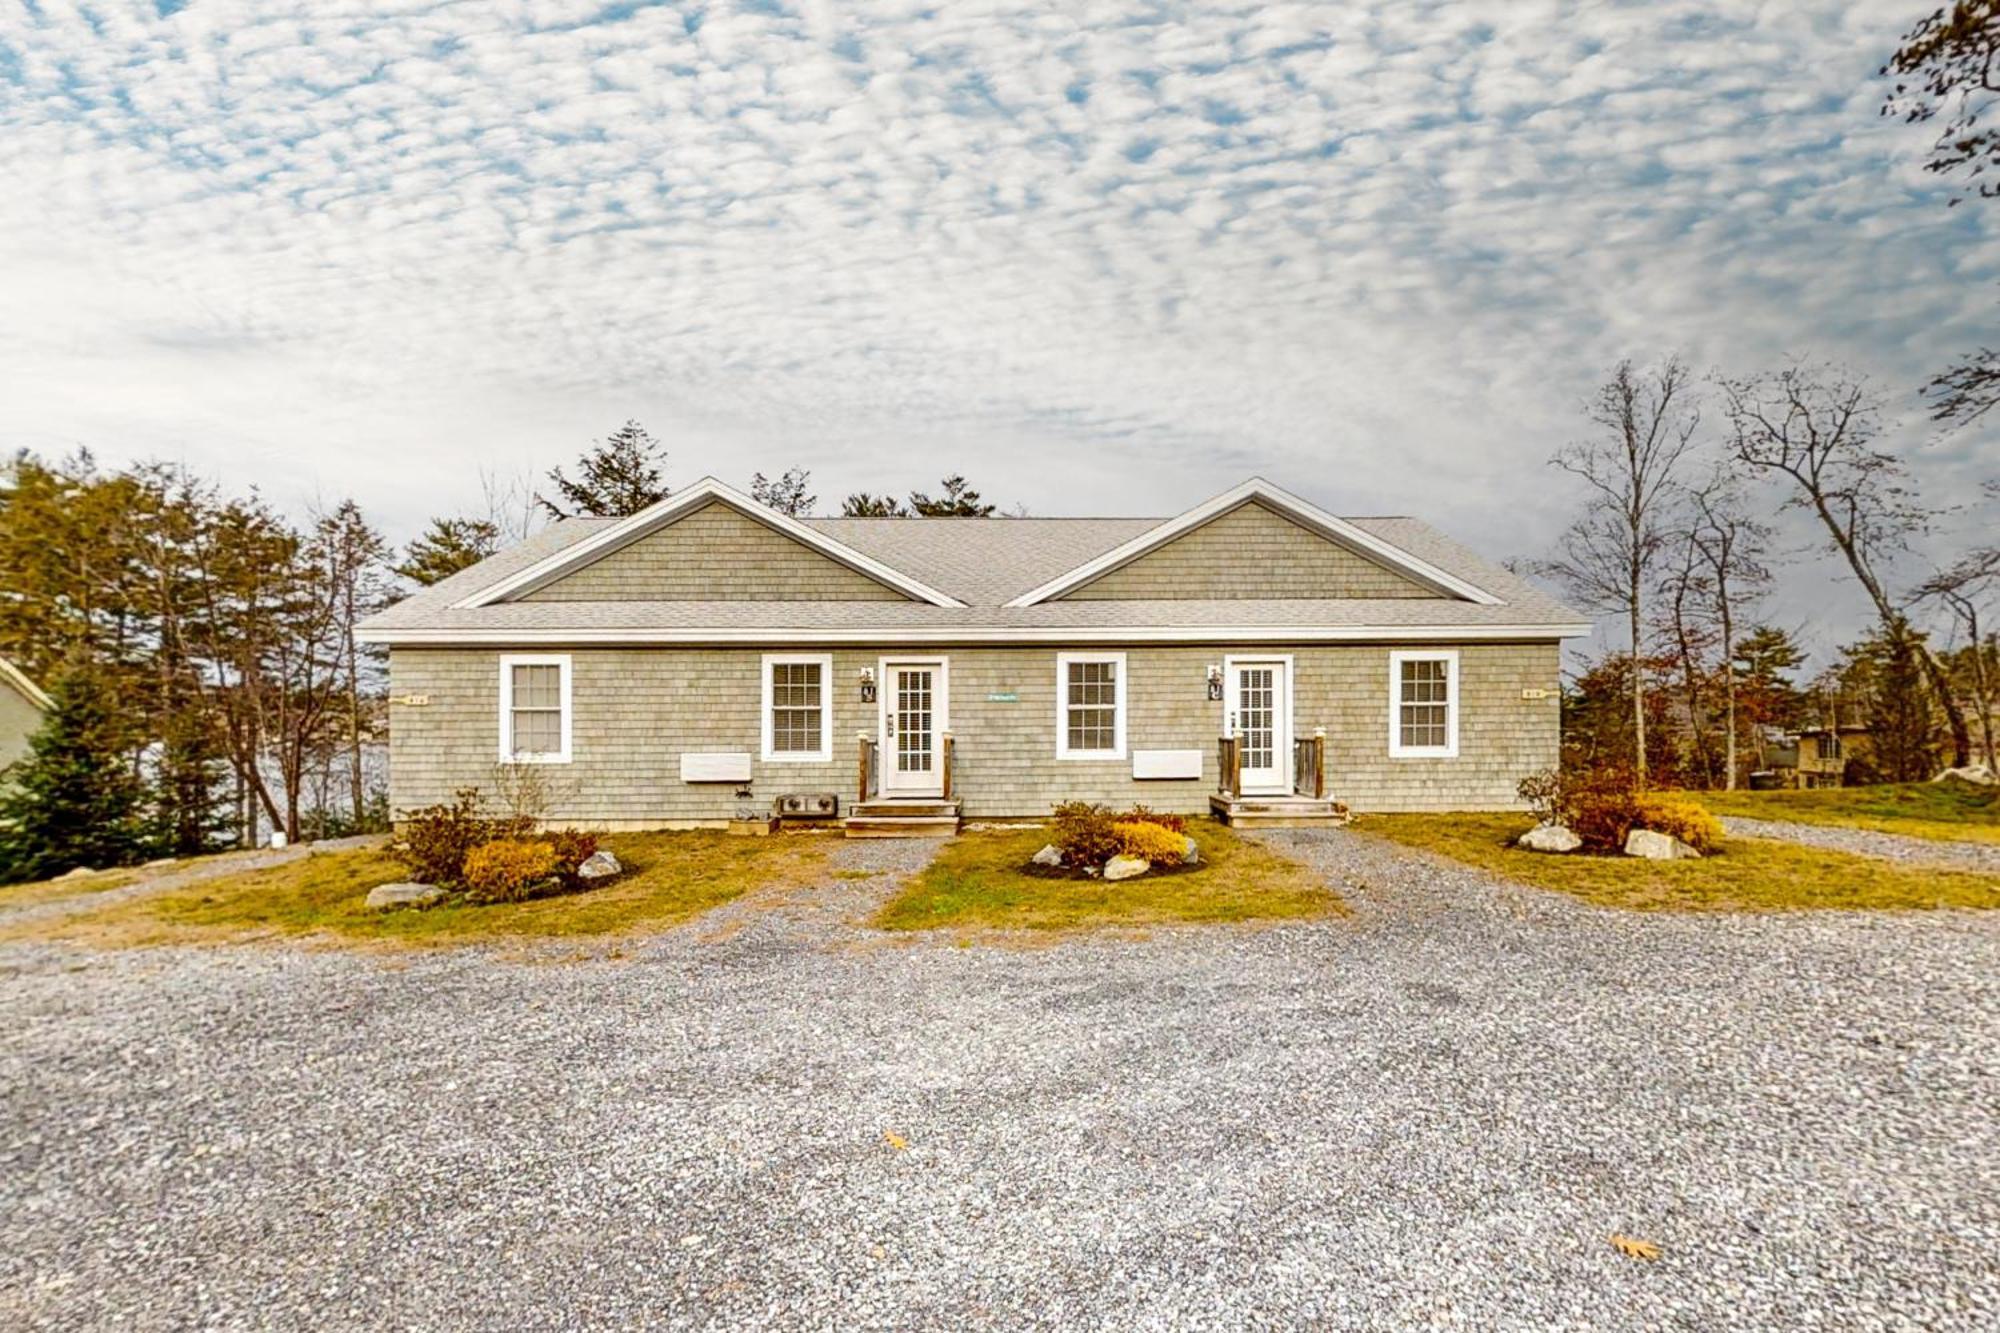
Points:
point(1276, 811)
point(902, 819)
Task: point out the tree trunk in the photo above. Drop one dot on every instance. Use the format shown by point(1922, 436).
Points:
point(1728, 701)
point(1638, 689)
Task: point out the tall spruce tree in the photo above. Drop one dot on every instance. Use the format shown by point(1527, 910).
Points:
point(74, 800)
point(447, 546)
point(1901, 725)
point(621, 475)
point(956, 499)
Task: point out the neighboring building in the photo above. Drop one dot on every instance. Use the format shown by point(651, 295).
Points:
point(710, 654)
point(22, 705)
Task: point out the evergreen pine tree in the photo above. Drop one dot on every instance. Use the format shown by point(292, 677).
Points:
point(447, 546)
point(620, 476)
point(74, 800)
point(958, 500)
point(1901, 726)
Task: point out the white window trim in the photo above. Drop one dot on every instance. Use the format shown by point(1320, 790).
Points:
point(508, 661)
point(824, 754)
point(1063, 660)
point(1398, 750)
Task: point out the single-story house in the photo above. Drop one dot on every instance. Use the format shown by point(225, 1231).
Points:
point(708, 657)
point(22, 705)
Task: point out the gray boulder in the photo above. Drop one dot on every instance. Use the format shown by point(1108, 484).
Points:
point(389, 897)
point(1655, 846)
point(1549, 838)
point(1191, 855)
point(600, 865)
point(1050, 855)
point(1126, 867)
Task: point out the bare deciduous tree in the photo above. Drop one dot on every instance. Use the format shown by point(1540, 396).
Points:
point(1815, 427)
point(1646, 421)
point(1964, 590)
point(1731, 547)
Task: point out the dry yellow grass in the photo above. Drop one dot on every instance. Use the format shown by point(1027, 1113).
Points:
point(976, 880)
point(1750, 874)
point(1942, 811)
point(671, 877)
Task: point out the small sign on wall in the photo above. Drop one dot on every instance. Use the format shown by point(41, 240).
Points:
point(1535, 694)
point(1003, 697)
point(410, 700)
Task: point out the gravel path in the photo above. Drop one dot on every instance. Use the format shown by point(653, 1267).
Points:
point(1431, 1114)
point(1867, 842)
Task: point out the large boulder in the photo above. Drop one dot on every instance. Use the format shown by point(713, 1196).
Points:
point(1050, 856)
point(1549, 838)
point(1975, 773)
point(1656, 846)
point(600, 865)
point(389, 897)
point(1126, 867)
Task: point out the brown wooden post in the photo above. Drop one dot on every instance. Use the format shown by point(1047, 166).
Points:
point(1319, 763)
point(1236, 767)
point(947, 766)
point(861, 786)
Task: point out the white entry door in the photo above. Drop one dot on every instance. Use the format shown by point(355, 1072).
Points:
point(915, 703)
point(1259, 716)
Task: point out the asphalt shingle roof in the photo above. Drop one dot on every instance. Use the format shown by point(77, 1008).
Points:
point(983, 563)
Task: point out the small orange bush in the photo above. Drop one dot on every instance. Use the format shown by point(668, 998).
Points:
point(1601, 806)
point(1152, 842)
point(508, 870)
point(1682, 819)
point(1084, 833)
point(1139, 814)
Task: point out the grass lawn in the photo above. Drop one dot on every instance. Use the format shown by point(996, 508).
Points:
point(976, 880)
point(51, 890)
point(1950, 811)
point(1750, 874)
point(670, 877)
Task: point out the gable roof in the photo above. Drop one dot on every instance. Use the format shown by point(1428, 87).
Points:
point(987, 567)
point(1305, 514)
point(27, 688)
point(620, 533)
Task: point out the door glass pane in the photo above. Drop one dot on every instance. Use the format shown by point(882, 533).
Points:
point(1256, 716)
point(913, 721)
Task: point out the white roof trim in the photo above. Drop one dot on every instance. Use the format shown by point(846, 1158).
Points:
point(32, 692)
point(1300, 511)
point(1063, 635)
point(573, 557)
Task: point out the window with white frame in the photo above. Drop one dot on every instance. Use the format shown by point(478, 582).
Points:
point(1829, 746)
point(1423, 705)
point(534, 709)
point(1090, 705)
point(798, 707)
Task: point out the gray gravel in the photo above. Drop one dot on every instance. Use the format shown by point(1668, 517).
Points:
point(1867, 842)
point(1431, 1114)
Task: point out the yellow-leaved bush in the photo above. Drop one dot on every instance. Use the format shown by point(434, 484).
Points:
point(1680, 818)
point(1152, 842)
point(509, 870)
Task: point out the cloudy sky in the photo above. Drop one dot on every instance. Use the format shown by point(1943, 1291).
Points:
point(1103, 256)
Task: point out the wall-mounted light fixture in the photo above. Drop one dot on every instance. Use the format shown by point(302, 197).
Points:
point(1214, 683)
point(868, 685)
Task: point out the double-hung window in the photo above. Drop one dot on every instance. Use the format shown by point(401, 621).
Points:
point(798, 707)
point(1090, 705)
point(534, 708)
point(1423, 705)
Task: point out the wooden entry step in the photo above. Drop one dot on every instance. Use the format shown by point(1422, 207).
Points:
point(909, 817)
point(1277, 811)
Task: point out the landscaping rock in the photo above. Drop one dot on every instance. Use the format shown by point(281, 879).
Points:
point(1126, 867)
point(1192, 855)
point(81, 872)
point(1050, 855)
point(1974, 773)
point(1549, 838)
point(389, 897)
point(1658, 846)
point(599, 865)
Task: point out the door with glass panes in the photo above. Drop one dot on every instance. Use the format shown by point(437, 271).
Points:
point(1258, 713)
point(914, 702)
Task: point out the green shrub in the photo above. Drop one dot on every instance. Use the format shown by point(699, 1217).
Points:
point(1084, 833)
point(1682, 819)
point(509, 870)
point(437, 838)
point(1150, 841)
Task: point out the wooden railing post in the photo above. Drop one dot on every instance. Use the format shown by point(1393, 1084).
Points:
point(947, 764)
point(1236, 766)
point(1319, 763)
point(861, 782)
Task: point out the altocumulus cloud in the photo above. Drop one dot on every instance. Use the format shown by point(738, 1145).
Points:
point(1100, 254)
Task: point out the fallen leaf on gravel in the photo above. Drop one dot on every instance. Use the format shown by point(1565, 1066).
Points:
point(895, 1140)
point(1634, 1248)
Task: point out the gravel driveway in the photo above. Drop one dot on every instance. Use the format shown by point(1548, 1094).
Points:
point(1433, 1113)
point(1983, 856)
